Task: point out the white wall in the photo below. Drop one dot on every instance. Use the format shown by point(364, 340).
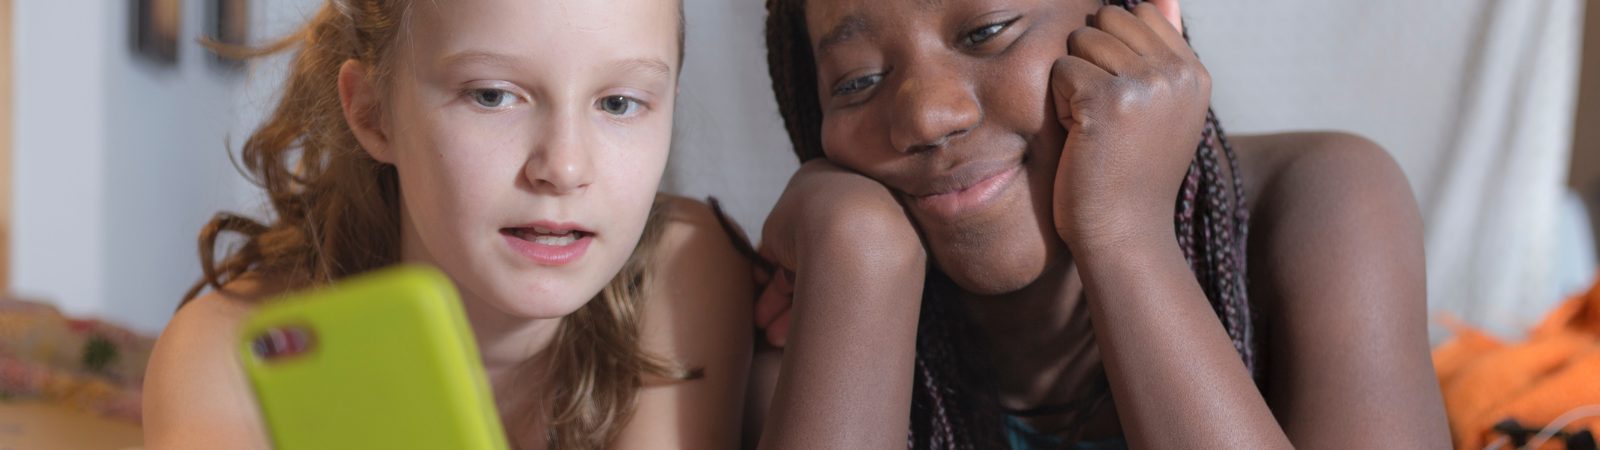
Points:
point(57, 249)
point(120, 161)
point(729, 139)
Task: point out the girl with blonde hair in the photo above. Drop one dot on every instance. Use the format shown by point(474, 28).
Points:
point(518, 147)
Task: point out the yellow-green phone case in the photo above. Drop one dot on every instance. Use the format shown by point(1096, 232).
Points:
point(390, 364)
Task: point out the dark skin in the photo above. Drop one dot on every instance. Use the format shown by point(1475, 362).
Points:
point(1070, 142)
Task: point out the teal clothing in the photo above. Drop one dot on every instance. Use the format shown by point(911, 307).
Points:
point(1023, 437)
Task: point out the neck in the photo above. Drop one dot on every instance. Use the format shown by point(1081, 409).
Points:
point(1040, 337)
point(508, 345)
point(1038, 314)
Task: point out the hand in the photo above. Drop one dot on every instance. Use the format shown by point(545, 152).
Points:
point(1133, 98)
point(777, 295)
point(825, 204)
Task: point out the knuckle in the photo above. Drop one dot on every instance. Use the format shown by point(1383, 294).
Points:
point(1076, 37)
point(1125, 96)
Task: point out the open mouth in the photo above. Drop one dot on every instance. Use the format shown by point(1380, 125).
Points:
point(547, 236)
point(548, 244)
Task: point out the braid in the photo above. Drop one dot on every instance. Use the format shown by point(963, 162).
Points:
point(952, 402)
point(953, 405)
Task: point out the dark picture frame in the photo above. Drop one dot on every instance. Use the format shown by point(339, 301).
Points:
point(156, 27)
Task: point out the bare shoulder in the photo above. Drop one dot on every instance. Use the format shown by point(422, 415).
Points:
point(196, 394)
point(1337, 271)
point(1334, 163)
point(1326, 207)
point(697, 314)
point(699, 278)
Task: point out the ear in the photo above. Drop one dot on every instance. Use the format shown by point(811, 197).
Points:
point(1169, 9)
point(361, 110)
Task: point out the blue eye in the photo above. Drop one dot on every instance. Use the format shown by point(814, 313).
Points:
point(492, 98)
point(985, 33)
point(857, 84)
point(618, 105)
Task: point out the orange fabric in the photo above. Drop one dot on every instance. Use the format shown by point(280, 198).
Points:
point(1557, 369)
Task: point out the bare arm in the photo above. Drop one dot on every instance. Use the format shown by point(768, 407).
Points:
point(1338, 260)
point(1177, 380)
point(847, 369)
point(696, 314)
point(196, 394)
point(1337, 270)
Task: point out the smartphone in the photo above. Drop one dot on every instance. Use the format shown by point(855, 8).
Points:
point(381, 360)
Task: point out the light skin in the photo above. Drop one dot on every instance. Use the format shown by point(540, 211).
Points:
point(1098, 124)
point(500, 114)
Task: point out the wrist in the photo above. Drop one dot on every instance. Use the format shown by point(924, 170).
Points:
point(857, 235)
point(1144, 241)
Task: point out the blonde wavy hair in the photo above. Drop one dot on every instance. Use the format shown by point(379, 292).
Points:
point(337, 214)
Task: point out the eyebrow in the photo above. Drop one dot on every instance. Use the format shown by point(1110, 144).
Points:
point(851, 27)
point(478, 57)
point(642, 65)
point(645, 65)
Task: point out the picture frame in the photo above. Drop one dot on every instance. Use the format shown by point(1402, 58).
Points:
point(156, 27)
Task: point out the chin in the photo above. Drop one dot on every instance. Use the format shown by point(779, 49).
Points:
point(998, 256)
point(542, 301)
point(999, 268)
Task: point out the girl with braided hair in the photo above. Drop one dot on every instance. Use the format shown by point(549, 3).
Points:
point(1018, 224)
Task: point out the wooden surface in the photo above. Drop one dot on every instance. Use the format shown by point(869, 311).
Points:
point(38, 425)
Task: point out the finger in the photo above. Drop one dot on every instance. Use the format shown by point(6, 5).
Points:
point(760, 274)
point(774, 301)
point(1102, 49)
point(1071, 78)
point(1168, 27)
point(1133, 32)
point(1169, 10)
point(778, 333)
point(772, 257)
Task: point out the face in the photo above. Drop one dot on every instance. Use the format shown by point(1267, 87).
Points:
point(947, 103)
point(530, 138)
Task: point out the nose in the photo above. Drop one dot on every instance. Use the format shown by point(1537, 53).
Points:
point(932, 107)
point(561, 162)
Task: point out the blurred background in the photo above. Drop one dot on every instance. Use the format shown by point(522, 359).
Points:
point(115, 128)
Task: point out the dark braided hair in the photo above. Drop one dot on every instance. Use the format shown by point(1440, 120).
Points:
point(954, 406)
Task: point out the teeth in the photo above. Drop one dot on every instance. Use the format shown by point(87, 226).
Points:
point(556, 240)
point(548, 237)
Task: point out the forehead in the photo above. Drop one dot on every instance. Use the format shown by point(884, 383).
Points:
point(546, 29)
point(843, 19)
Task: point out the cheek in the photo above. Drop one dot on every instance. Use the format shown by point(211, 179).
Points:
point(1017, 91)
point(630, 165)
point(858, 139)
point(452, 171)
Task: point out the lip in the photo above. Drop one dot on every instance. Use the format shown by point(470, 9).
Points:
point(546, 254)
point(968, 190)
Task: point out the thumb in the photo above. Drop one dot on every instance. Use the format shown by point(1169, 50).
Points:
point(1169, 9)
